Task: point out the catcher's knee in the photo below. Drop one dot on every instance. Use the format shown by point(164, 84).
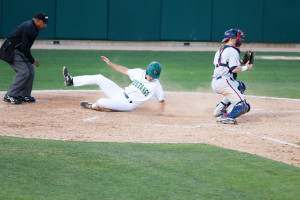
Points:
point(241, 87)
point(245, 105)
point(248, 107)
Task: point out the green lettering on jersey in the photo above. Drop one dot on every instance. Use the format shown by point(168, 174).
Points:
point(141, 87)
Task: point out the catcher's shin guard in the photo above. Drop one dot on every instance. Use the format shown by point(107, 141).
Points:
point(240, 108)
point(220, 109)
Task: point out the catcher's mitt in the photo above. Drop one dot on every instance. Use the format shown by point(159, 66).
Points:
point(248, 56)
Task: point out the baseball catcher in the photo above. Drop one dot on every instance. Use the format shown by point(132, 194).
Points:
point(144, 87)
point(227, 65)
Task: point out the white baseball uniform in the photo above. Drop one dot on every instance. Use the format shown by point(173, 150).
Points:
point(133, 96)
point(225, 61)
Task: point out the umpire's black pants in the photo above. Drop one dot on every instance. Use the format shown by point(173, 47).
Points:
point(23, 80)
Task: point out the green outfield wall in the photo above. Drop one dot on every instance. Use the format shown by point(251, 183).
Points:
point(14, 12)
point(270, 21)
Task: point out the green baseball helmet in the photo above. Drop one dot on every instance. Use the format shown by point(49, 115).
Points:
point(154, 69)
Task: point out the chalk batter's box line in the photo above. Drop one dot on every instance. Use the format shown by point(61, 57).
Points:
point(214, 125)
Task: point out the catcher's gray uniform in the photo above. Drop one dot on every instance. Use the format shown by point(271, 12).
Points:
point(226, 59)
point(227, 65)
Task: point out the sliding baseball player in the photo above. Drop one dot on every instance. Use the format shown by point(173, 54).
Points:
point(144, 87)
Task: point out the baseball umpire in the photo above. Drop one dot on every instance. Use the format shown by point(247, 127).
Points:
point(15, 50)
point(227, 65)
point(144, 87)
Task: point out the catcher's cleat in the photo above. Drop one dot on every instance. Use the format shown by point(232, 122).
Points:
point(226, 120)
point(86, 104)
point(67, 76)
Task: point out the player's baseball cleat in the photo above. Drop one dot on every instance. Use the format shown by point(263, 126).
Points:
point(11, 99)
point(86, 104)
point(226, 120)
point(67, 76)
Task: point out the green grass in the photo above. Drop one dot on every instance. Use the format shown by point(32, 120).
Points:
point(182, 71)
point(42, 169)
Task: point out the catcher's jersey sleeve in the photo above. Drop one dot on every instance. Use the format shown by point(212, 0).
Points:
point(141, 90)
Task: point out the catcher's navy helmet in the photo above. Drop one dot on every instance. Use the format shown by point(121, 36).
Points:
point(235, 34)
point(154, 69)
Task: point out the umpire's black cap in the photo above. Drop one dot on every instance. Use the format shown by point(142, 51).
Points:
point(41, 16)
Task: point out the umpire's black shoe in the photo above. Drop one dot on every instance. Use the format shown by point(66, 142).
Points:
point(11, 99)
point(67, 76)
point(28, 99)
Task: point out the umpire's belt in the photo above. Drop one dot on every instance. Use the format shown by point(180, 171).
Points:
point(219, 77)
point(127, 97)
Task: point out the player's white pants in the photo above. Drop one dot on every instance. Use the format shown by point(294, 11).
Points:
point(228, 88)
point(116, 98)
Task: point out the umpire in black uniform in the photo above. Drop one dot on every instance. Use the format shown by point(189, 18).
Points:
point(20, 59)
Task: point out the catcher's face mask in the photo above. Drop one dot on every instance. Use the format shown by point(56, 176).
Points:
point(239, 40)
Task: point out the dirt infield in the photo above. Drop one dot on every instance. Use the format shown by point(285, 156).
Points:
point(270, 129)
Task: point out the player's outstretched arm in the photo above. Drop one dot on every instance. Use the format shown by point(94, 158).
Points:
point(162, 106)
point(123, 70)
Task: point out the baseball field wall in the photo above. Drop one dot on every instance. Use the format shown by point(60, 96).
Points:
point(269, 21)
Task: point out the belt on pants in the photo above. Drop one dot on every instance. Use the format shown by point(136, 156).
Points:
point(219, 77)
point(127, 97)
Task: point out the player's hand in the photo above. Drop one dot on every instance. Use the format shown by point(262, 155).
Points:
point(249, 66)
point(106, 60)
point(162, 105)
point(36, 63)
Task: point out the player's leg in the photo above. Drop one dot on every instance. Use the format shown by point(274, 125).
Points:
point(116, 101)
point(25, 93)
point(22, 74)
point(221, 107)
point(231, 92)
point(105, 104)
point(240, 106)
point(219, 86)
point(115, 104)
point(110, 88)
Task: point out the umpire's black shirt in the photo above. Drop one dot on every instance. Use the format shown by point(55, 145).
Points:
point(23, 38)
